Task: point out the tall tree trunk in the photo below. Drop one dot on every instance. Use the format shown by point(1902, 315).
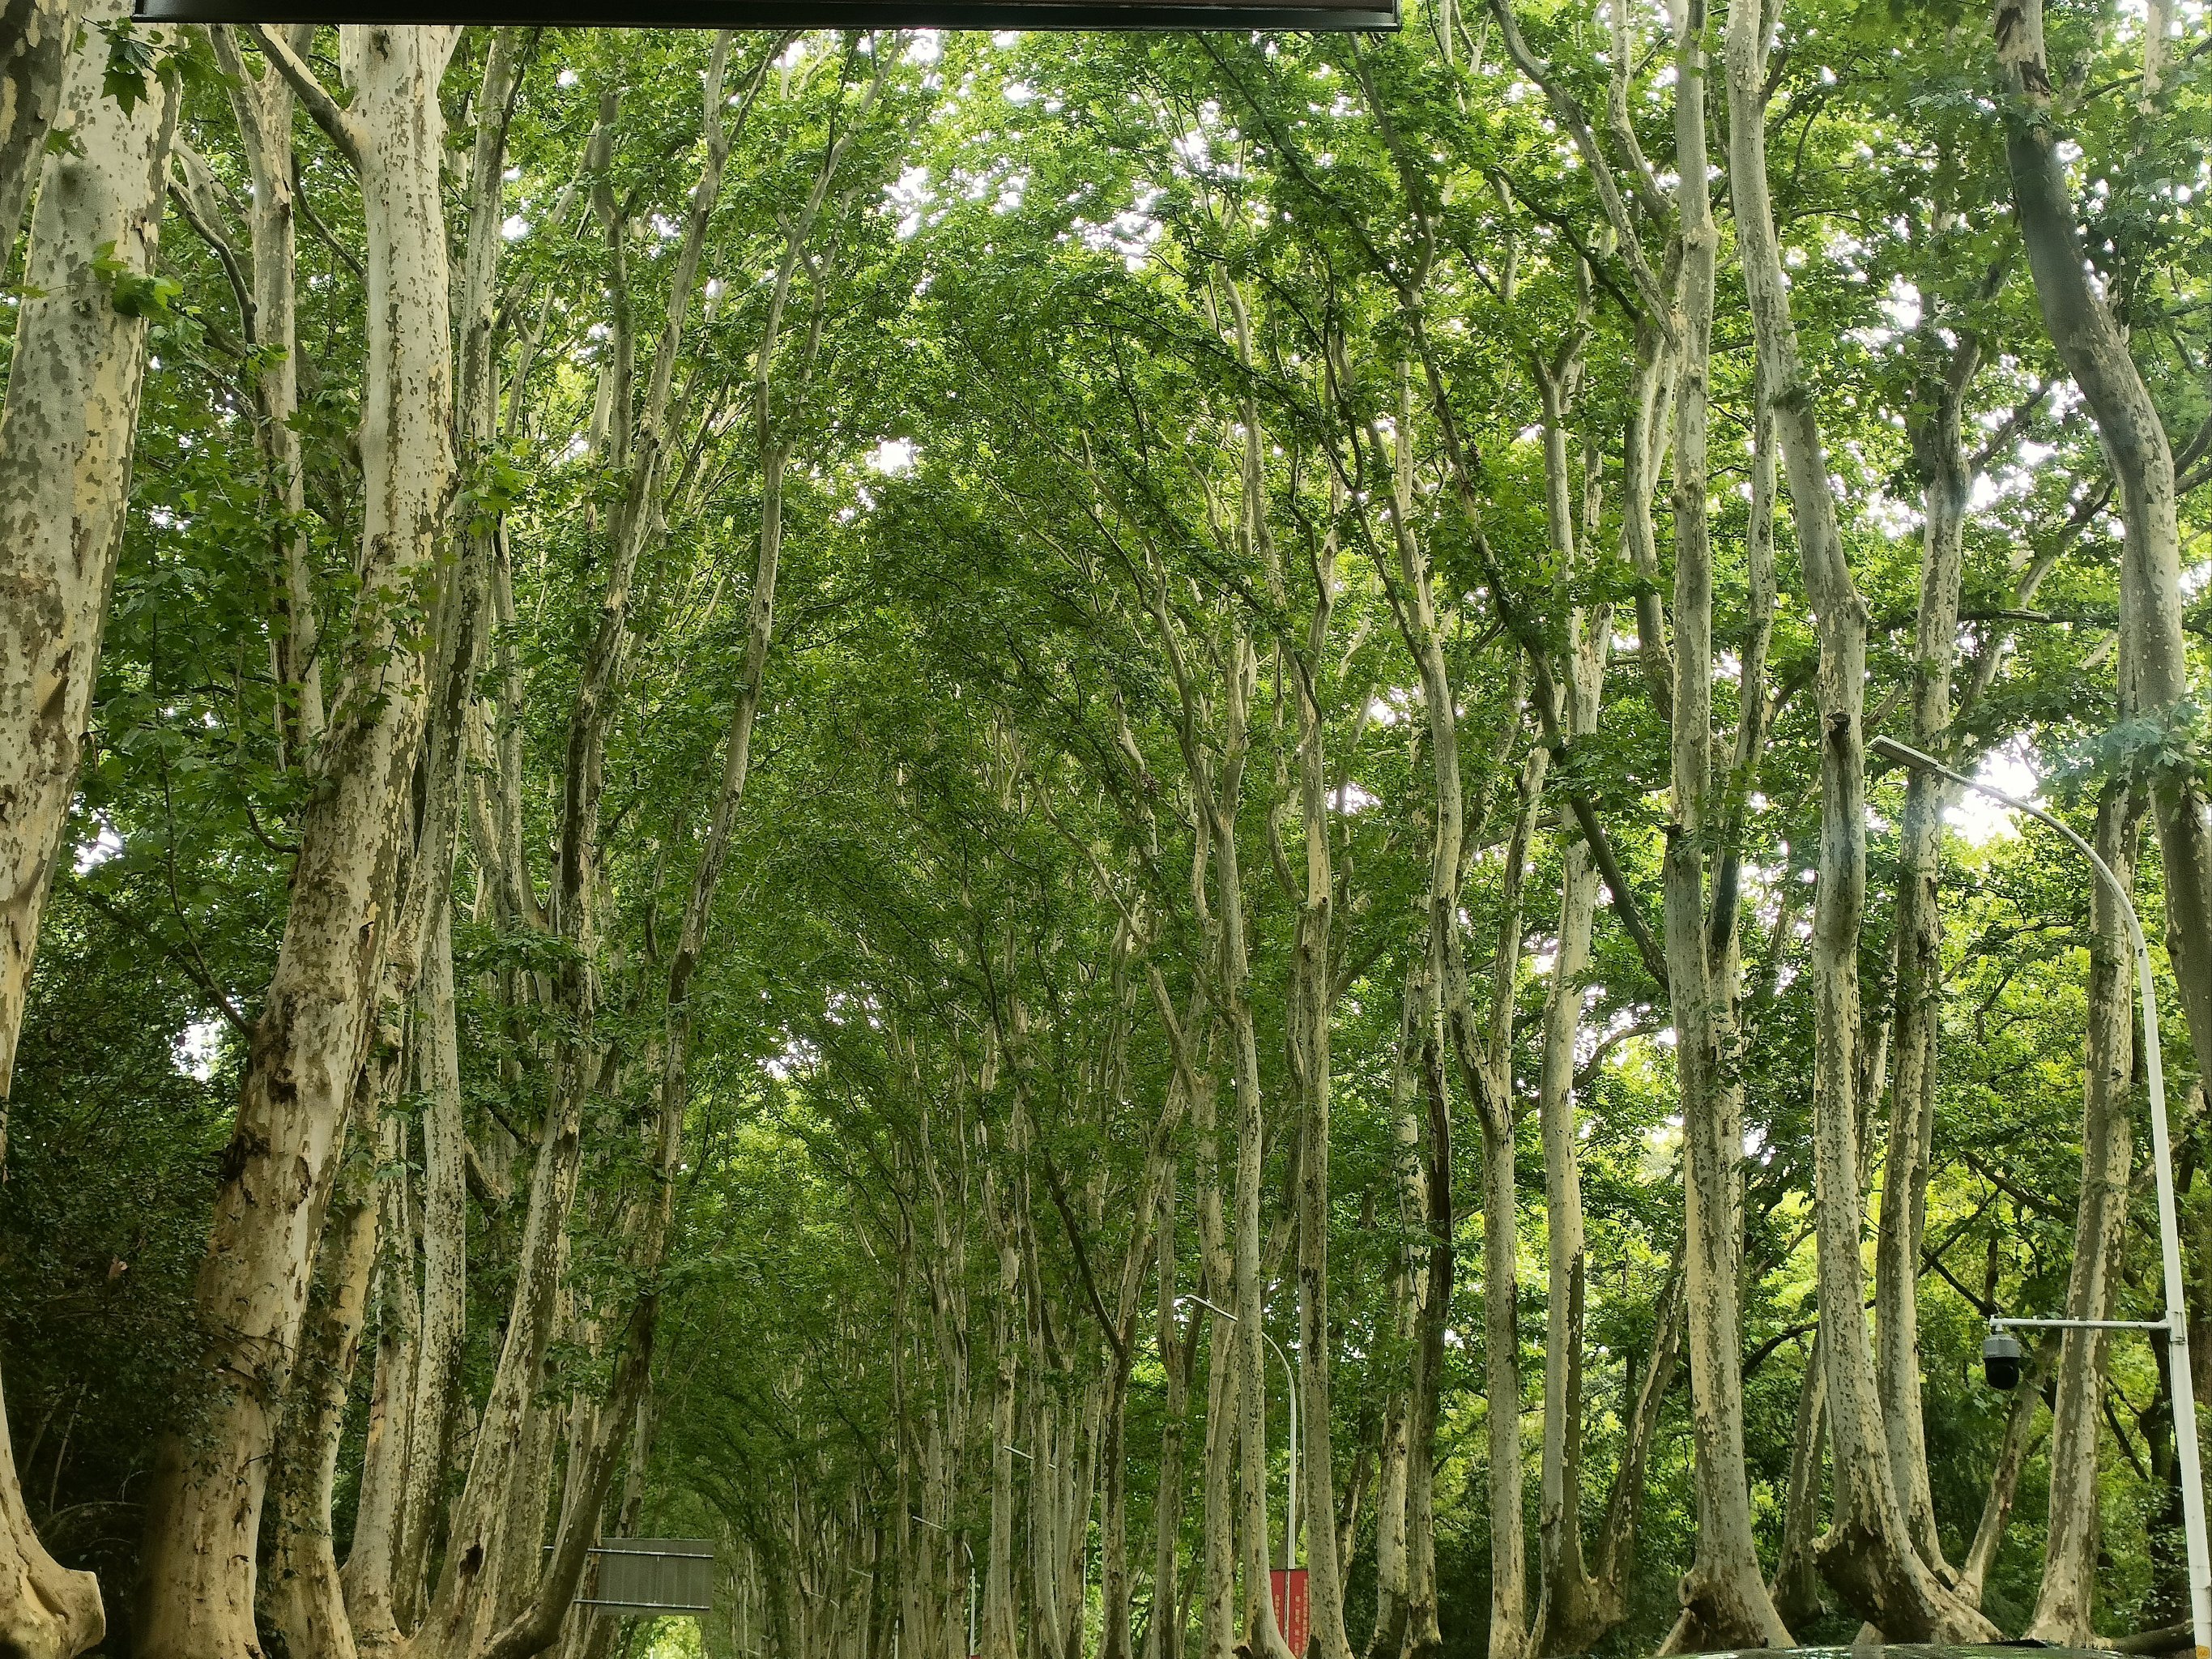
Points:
point(66, 429)
point(1163, 1637)
point(34, 44)
point(1725, 1599)
point(1492, 1088)
point(1868, 1553)
point(445, 1269)
point(1939, 448)
point(1218, 1525)
point(1249, 1304)
point(315, 1024)
point(2004, 1479)
point(301, 1596)
point(1318, 1451)
point(1114, 1590)
point(1796, 1573)
point(385, 1445)
point(1409, 1110)
point(2067, 1598)
point(264, 104)
point(393, 1581)
point(1424, 1635)
point(2155, 663)
point(1566, 1616)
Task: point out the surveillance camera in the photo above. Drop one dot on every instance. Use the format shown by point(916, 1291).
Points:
point(2000, 1359)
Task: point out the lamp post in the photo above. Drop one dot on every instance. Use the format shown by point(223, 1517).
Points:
point(2175, 1324)
point(1290, 1484)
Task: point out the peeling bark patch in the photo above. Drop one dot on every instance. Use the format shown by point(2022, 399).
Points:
point(247, 1146)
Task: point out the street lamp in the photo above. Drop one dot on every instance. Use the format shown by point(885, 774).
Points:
point(1290, 1484)
point(2175, 1324)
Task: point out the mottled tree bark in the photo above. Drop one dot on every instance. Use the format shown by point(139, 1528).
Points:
point(1568, 1618)
point(300, 1593)
point(315, 1025)
point(1234, 972)
point(66, 436)
point(445, 1269)
point(1796, 1573)
point(1947, 483)
point(1725, 1597)
point(1217, 1521)
point(2004, 1479)
point(66, 429)
point(385, 1450)
point(34, 44)
point(2154, 661)
point(1409, 1112)
point(2065, 1603)
point(263, 103)
point(1868, 1554)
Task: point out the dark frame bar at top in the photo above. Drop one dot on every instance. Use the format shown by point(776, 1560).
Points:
point(1042, 15)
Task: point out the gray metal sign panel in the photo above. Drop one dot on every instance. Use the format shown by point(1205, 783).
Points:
point(654, 1575)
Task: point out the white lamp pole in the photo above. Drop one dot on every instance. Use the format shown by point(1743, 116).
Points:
point(1291, 1484)
point(2175, 1324)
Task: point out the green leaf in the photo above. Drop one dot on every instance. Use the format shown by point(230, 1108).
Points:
point(132, 294)
point(131, 60)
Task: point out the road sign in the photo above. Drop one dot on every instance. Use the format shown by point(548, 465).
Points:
point(1111, 14)
point(654, 1575)
point(1292, 1615)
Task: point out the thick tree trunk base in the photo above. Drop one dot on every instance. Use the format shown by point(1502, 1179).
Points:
point(1576, 1614)
point(46, 1611)
point(1722, 1611)
point(1423, 1638)
point(1893, 1590)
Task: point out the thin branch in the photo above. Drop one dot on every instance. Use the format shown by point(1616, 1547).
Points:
point(315, 223)
point(313, 96)
point(1114, 1339)
point(190, 963)
point(1576, 120)
point(195, 201)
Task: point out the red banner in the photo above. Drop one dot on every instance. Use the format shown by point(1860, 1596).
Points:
point(1292, 1615)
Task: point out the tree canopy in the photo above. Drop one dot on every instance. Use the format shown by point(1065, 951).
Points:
point(859, 791)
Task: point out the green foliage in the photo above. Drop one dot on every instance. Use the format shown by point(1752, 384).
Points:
point(132, 293)
point(133, 59)
point(926, 1018)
